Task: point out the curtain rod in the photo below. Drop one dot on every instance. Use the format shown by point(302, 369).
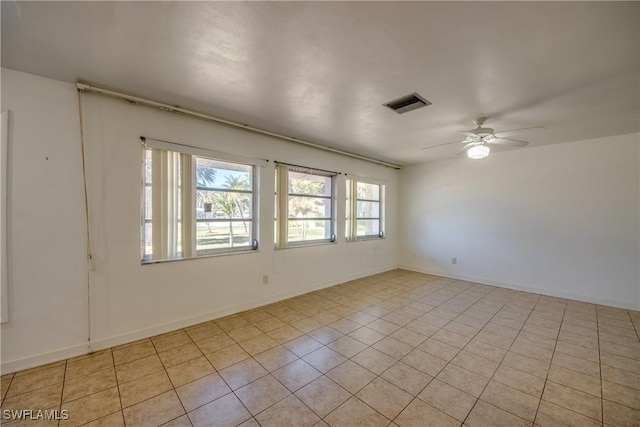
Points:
point(86, 87)
point(199, 151)
point(307, 168)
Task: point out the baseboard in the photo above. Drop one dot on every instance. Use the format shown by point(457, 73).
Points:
point(101, 344)
point(550, 293)
point(44, 358)
point(227, 311)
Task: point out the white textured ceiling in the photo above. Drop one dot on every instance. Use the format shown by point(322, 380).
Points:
point(320, 71)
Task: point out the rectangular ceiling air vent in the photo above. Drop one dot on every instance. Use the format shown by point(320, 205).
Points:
point(407, 103)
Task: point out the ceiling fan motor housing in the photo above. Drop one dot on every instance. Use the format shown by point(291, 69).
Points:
point(483, 131)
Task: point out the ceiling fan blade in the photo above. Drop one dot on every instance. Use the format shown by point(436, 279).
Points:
point(508, 142)
point(517, 131)
point(441, 145)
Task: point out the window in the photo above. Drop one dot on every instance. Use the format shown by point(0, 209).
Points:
point(195, 205)
point(147, 211)
point(305, 206)
point(365, 210)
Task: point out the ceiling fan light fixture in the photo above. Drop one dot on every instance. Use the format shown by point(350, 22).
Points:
point(478, 152)
point(489, 138)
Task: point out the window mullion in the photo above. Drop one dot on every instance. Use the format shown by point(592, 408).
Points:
point(173, 161)
point(283, 205)
point(333, 211)
point(347, 211)
point(188, 227)
point(353, 207)
point(381, 213)
point(159, 224)
point(143, 205)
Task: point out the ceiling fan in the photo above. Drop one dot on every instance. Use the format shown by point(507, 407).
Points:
point(479, 140)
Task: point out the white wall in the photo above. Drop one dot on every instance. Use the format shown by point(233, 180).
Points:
point(46, 233)
point(560, 220)
point(128, 300)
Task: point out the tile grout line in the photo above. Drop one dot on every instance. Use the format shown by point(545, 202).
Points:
point(269, 373)
point(13, 377)
point(186, 414)
point(433, 308)
point(399, 298)
point(323, 374)
point(600, 369)
point(633, 323)
point(397, 360)
point(62, 391)
point(124, 419)
point(459, 351)
point(100, 391)
point(152, 397)
point(502, 359)
point(214, 368)
point(601, 382)
point(544, 386)
point(572, 370)
point(443, 325)
point(413, 318)
point(95, 392)
point(113, 365)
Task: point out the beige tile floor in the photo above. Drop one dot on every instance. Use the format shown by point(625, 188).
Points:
point(395, 349)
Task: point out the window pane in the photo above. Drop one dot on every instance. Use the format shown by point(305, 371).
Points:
point(148, 166)
point(364, 213)
point(233, 200)
point(275, 208)
point(348, 209)
point(179, 204)
point(222, 175)
point(178, 248)
point(368, 191)
point(313, 185)
point(368, 209)
point(147, 212)
point(148, 245)
point(223, 204)
point(301, 230)
point(309, 207)
point(148, 200)
point(368, 227)
point(217, 235)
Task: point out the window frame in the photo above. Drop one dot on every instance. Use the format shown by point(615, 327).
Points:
point(282, 197)
point(351, 220)
point(145, 184)
point(254, 213)
point(188, 188)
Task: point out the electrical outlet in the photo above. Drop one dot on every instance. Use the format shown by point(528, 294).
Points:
point(265, 279)
point(454, 260)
